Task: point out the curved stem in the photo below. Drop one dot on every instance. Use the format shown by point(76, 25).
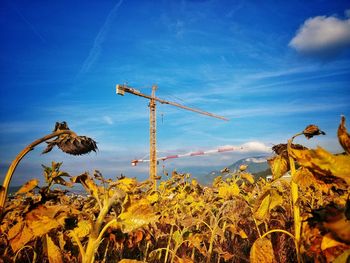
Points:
point(13, 166)
point(279, 230)
point(289, 234)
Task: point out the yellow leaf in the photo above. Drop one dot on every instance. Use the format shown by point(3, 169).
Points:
point(263, 209)
point(153, 198)
point(248, 177)
point(22, 238)
point(42, 225)
point(344, 136)
point(262, 251)
point(279, 166)
point(275, 200)
point(177, 237)
point(343, 257)
point(82, 230)
point(130, 261)
point(304, 179)
point(227, 191)
point(242, 234)
point(15, 230)
point(324, 163)
point(28, 186)
point(328, 242)
point(126, 184)
point(137, 214)
point(53, 252)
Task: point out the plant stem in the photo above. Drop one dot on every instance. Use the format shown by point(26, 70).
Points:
point(295, 196)
point(168, 246)
point(15, 162)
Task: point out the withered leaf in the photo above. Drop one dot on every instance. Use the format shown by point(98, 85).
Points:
point(28, 186)
point(324, 163)
point(344, 136)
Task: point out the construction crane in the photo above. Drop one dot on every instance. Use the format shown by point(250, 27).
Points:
point(121, 89)
point(190, 154)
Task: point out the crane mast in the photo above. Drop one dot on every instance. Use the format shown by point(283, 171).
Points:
point(121, 89)
point(152, 136)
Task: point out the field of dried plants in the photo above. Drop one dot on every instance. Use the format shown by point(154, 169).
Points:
point(238, 218)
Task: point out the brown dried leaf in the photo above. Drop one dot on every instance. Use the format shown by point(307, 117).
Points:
point(262, 251)
point(344, 136)
point(312, 130)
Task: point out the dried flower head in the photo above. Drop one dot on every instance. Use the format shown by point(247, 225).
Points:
point(71, 143)
point(281, 149)
point(312, 130)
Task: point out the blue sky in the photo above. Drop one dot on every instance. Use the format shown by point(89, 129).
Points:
point(271, 67)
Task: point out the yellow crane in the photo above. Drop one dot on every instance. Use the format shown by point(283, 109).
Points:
point(121, 89)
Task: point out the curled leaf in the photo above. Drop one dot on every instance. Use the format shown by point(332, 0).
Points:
point(279, 166)
point(344, 136)
point(28, 186)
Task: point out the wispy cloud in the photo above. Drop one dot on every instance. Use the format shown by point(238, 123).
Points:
point(100, 38)
point(283, 109)
point(108, 120)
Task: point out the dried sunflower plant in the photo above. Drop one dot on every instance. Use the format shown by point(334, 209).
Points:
point(65, 139)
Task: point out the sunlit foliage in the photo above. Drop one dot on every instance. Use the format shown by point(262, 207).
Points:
point(238, 218)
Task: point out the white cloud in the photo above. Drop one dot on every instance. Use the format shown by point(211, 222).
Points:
point(255, 147)
point(322, 34)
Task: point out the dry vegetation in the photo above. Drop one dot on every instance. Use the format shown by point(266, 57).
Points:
point(236, 219)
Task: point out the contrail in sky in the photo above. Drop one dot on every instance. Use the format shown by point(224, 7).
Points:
point(100, 38)
point(31, 26)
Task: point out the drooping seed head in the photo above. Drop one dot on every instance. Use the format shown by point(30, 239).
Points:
point(71, 143)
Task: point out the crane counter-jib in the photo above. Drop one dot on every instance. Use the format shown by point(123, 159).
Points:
point(189, 154)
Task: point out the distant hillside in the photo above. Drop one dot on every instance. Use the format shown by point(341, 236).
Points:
point(257, 166)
